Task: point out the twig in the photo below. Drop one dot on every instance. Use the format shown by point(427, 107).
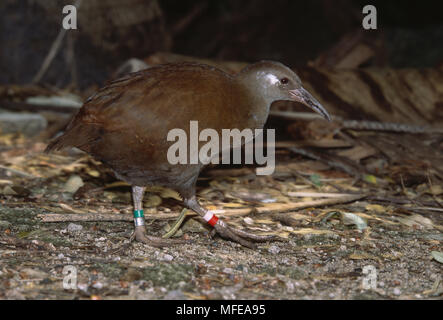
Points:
point(270, 208)
point(358, 124)
point(425, 208)
point(183, 23)
point(318, 194)
point(176, 225)
point(396, 200)
point(23, 106)
point(70, 59)
point(18, 172)
point(53, 51)
point(387, 126)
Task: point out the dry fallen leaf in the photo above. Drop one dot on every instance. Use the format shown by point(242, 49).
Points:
point(438, 256)
point(416, 220)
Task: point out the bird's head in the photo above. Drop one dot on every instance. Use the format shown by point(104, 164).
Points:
point(273, 81)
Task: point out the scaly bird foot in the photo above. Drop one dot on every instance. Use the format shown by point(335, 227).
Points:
point(239, 236)
point(141, 236)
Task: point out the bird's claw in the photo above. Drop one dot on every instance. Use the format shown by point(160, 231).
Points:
point(244, 238)
point(140, 235)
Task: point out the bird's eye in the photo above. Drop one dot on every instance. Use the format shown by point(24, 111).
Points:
point(284, 81)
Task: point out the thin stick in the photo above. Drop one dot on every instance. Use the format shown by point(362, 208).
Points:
point(318, 195)
point(18, 172)
point(176, 226)
point(53, 51)
point(362, 125)
point(270, 208)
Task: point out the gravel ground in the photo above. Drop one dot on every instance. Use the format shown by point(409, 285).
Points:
point(339, 265)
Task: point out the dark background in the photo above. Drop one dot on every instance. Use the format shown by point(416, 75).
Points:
point(410, 33)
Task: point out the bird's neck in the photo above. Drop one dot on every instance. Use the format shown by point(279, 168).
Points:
point(256, 103)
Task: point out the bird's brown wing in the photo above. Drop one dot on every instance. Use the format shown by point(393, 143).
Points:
point(134, 114)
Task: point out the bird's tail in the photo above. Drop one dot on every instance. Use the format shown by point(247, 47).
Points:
point(57, 144)
point(80, 135)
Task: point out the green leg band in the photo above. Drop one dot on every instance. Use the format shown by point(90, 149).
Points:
point(139, 218)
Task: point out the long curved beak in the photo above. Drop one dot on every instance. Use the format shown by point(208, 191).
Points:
point(303, 96)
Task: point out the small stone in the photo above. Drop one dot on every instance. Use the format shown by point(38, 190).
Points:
point(74, 183)
point(98, 285)
point(228, 270)
point(397, 291)
point(61, 256)
point(167, 257)
point(82, 286)
point(72, 227)
point(290, 288)
point(274, 249)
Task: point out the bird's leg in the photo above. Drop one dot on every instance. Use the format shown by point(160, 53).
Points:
point(139, 222)
point(242, 237)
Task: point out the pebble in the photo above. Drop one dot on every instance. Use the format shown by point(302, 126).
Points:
point(274, 249)
point(397, 291)
point(72, 227)
point(290, 288)
point(98, 285)
point(167, 257)
point(228, 270)
point(83, 287)
point(74, 183)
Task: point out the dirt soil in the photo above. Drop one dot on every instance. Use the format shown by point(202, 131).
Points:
point(361, 249)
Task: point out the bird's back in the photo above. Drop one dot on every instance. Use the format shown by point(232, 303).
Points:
point(125, 124)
